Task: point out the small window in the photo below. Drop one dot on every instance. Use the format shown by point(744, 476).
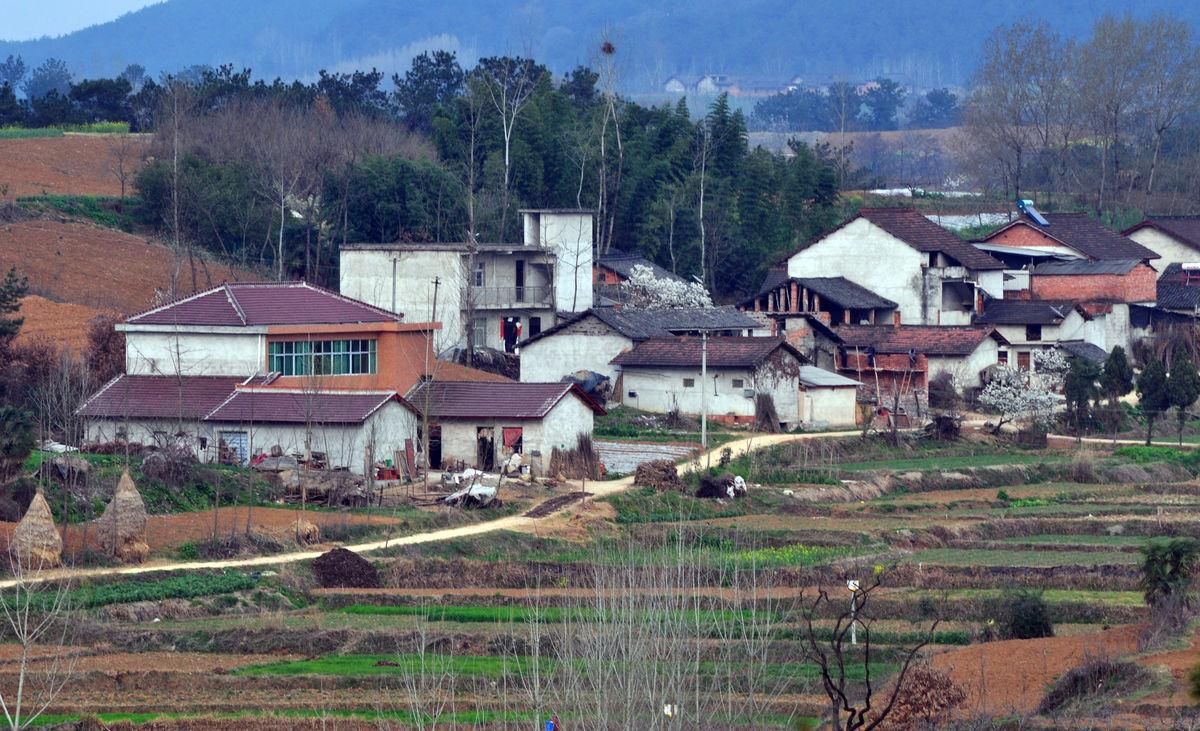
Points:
point(479, 331)
point(1002, 357)
point(480, 276)
point(1033, 332)
point(739, 383)
point(689, 383)
point(1023, 361)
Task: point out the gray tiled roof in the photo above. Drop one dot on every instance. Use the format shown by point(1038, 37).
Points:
point(1082, 266)
point(644, 324)
point(623, 262)
point(1023, 312)
point(1087, 351)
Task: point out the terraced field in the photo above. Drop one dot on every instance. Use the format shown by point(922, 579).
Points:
point(614, 609)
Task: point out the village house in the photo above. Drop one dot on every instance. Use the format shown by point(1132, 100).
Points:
point(1178, 289)
point(898, 255)
point(1081, 280)
point(481, 425)
point(1176, 239)
point(590, 340)
point(663, 374)
point(788, 302)
point(615, 267)
point(235, 370)
point(903, 358)
point(1029, 326)
point(502, 292)
point(1066, 235)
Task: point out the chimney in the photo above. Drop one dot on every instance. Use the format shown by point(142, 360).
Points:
point(896, 319)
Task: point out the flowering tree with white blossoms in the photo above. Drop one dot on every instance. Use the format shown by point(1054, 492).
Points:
point(1016, 394)
point(1052, 366)
point(645, 291)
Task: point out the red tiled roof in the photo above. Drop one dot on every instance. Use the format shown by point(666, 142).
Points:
point(274, 303)
point(913, 228)
point(457, 400)
point(275, 406)
point(158, 397)
point(723, 352)
point(1185, 229)
point(924, 339)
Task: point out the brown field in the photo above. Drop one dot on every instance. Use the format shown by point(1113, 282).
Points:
point(61, 323)
point(99, 267)
point(73, 164)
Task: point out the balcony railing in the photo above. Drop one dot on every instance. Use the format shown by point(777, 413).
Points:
point(500, 297)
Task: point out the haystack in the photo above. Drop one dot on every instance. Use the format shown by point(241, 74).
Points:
point(306, 533)
point(35, 542)
point(122, 528)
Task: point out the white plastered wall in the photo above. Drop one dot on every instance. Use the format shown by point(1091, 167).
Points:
point(366, 275)
point(165, 353)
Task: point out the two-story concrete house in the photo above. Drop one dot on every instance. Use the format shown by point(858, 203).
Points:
point(1176, 239)
point(901, 257)
point(502, 292)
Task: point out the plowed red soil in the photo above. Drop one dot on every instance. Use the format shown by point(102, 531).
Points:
point(61, 323)
point(99, 267)
point(72, 164)
point(1012, 676)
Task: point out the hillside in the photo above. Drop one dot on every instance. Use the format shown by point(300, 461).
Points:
point(72, 164)
point(931, 42)
point(62, 323)
point(97, 267)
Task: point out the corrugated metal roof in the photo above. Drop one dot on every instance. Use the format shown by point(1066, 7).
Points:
point(456, 400)
point(1085, 267)
point(272, 303)
point(276, 406)
point(158, 397)
point(685, 352)
point(819, 377)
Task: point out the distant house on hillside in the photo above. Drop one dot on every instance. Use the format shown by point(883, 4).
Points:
point(1176, 239)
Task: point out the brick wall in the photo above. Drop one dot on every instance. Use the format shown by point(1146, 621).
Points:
point(1136, 286)
point(1022, 235)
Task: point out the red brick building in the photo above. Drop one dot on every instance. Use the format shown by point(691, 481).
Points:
point(1114, 280)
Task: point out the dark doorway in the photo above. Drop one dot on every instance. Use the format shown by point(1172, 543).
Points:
point(510, 331)
point(520, 280)
point(535, 326)
point(435, 446)
point(486, 448)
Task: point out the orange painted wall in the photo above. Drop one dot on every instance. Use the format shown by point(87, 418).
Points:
point(402, 351)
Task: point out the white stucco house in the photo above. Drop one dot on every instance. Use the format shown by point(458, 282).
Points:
point(481, 424)
point(898, 255)
point(590, 340)
point(664, 374)
point(1176, 239)
point(235, 370)
point(503, 292)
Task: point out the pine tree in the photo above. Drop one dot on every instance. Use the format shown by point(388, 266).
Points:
point(1183, 388)
point(1153, 394)
point(12, 289)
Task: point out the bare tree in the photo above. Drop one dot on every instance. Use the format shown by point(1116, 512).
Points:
point(37, 618)
point(125, 157)
point(509, 82)
point(1172, 81)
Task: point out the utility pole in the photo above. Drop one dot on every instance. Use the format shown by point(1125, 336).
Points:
point(394, 261)
point(436, 282)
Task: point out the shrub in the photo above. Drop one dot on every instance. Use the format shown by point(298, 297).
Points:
point(1026, 616)
point(188, 551)
point(1094, 677)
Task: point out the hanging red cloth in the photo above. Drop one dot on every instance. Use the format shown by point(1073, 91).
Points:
point(511, 436)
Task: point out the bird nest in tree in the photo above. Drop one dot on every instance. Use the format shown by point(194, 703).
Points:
point(122, 527)
point(36, 543)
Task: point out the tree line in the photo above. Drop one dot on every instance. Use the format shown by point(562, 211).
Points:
point(280, 175)
point(875, 106)
point(1108, 122)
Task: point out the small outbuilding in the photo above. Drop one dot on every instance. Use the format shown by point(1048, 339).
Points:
point(662, 375)
point(481, 425)
point(826, 398)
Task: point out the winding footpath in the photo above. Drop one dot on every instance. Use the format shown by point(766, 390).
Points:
point(519, 523)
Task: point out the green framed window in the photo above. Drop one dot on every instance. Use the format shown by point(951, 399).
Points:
point(323, 357)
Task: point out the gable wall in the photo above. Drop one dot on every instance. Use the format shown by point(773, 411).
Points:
point(1171, 249)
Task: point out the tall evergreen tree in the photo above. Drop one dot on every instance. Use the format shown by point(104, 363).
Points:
point(12, 289)
point(1183, 388)
point(1153, 394)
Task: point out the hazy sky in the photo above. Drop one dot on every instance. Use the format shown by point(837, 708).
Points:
point(24, 19)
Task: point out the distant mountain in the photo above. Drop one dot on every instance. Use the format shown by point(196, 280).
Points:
point(921, 42)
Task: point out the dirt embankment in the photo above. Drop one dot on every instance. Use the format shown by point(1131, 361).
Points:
point(99, 267)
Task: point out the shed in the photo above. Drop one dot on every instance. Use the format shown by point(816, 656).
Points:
point(827, 399)
point(482, 424)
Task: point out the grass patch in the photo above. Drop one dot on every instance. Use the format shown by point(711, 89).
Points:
point(949, 462)
point(469, 614)
point(185, 586)
point(107, 211)
point(1057, 596)
point(1080, 540)
point(25, 133)
point(647, 505)
point(1037, 559)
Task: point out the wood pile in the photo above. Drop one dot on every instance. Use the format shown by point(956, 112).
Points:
point(36, 543)
point(345, 569)
point(661, 474)
point(579, 462)
point(122, 527)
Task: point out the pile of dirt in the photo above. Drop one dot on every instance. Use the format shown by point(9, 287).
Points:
point(35, 542)
point(122, 527)
point(661, 474)
point(340, 568)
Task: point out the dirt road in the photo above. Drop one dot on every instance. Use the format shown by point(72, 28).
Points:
point(511, 523)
